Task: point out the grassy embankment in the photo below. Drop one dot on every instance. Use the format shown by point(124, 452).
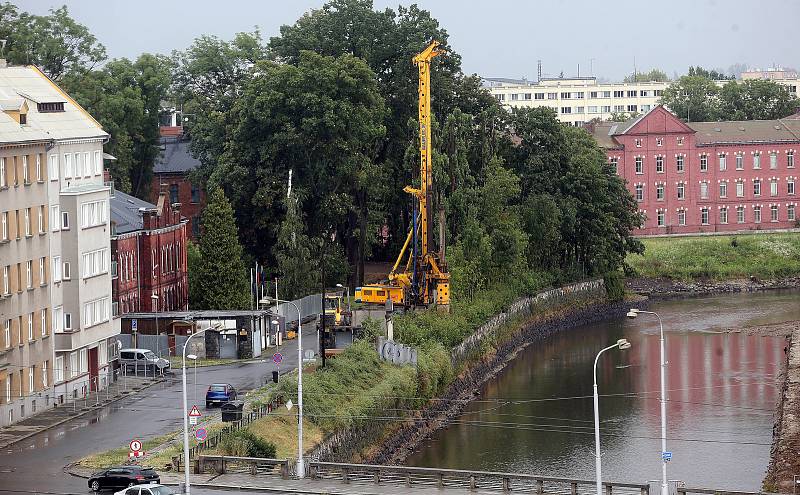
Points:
point(765, 256)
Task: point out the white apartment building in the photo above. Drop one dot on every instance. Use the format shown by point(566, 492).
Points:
point(581, 99)
point(78, 230)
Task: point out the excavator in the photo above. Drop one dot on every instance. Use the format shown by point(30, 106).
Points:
point(423, 280)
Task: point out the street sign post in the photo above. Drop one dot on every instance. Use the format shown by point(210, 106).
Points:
point(134, 324)
point(277, 358)
point(201, 434)
point(136, 449)
point(194, 415)
point(666, 456)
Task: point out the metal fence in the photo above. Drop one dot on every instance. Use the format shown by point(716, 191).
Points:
point(310, 307)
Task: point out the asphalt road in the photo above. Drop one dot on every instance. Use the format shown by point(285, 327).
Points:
point(37, 463)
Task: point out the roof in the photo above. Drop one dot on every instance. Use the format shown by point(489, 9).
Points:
point(125, 212)
point(175, 157)
point(30, 83)
point(748, 131)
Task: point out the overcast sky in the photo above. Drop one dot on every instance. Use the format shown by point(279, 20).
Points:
point(500, 38)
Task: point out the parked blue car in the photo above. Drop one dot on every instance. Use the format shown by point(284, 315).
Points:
point(220, 393)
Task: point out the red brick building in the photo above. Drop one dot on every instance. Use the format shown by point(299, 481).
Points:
point(706, 176)
point(148, 255)
point(171, 176)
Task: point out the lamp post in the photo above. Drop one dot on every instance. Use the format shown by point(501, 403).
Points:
point(194, 386)
point(186, 412)
point(347, 291)
point(301, 472)
point(622, 344)
point(632, 314)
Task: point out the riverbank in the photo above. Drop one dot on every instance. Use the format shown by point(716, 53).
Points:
point(784, 463)
point(664, 287)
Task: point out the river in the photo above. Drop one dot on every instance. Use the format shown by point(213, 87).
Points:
point(537, 416)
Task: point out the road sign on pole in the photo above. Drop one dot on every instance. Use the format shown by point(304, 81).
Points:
point(667, 456)
point(194, 415)
point(277, 358)
point(136, 449)
point(134, 324)
point(201, 434)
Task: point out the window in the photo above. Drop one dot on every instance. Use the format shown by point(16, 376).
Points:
point(606, 94)
point(50, 107)
point(592, 109)
point(58, 370)
point(73, 364)
point(619, 94)
point(639, 192)
point(632, 93)
point(95, 312)
point(756, 160)
point(790, 159)
point(592, 94)
point(680, 141)
point(703, 162)
point(723, 215)
point(605, 109)
point(633, 108)
point(619, 108)
point(83, 362)
point(660, 164)
point(739, 162)
point(704, 190)
point(565, 96)
point(660, 218)
point(644, 92)
point(4, 222)
point(26, 173)
point(58, 319)
point(704, 216)
point(740, 214)
point(638, 143)
point(98, 163)
point(3, 172)
point(723, 165)
point(679, 163)
point(29, 273)
point(44, 322)
point(55, 224)
point(67, 272)
point(195, 194)
point(723, 189)
point(67, 166)
point(773, 160)
point(6, 287)
point(195, 227)
point(739, 189)
point(566, 109)
point(773, 213)
point(790, 187)
point(681, 217)
point(757, 214)
point(28, 222)
point(614, 161)
point(579, 94)
point(552, 96)
point(93, 213)
point(660, 192)
point(42, 270)
point(65, 220)
point(52, 166)
point(790, 213)
point(681, 190)
point(44, 374)
point(67, 321)
point(538, 96)
point(579, 109)
point(30, 326)
point(95, 263)
point(773, 187)
point(514, 96)
point(7, 333)
point(645, 108)
point(87, 164)
point(31, 371)
point(756, 187)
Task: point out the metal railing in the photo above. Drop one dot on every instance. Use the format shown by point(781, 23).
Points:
point(243, 465)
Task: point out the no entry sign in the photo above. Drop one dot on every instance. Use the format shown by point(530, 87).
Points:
point(277, 358)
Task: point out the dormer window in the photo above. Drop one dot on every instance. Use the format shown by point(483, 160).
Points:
point(23, 119)
point(51, 107)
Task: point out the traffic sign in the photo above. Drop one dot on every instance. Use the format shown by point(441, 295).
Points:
point(277, 358)
point(134, 324)
point(201, 434)
point(666, 456)
point(136, 445)
point(289, 405)
point(195, 412)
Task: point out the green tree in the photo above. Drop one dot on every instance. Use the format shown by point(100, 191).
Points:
point(56, 43)
point(693, 98)
point(653, 75)
point(125, 97)
point(292, 252)
point(194, 263)
point(713, 74)
point(756, 100)
point(223, 279)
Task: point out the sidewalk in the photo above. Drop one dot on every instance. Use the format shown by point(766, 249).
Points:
point(64, 412)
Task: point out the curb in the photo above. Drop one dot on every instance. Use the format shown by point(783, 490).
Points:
point(85, 411)
point(246, 488)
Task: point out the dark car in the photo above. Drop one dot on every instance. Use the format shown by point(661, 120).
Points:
point(122, 476)
point(220, 393)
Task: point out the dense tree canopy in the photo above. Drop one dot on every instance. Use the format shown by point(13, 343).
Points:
point(653, 75)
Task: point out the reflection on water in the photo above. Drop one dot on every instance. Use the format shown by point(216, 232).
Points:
point(537, 416)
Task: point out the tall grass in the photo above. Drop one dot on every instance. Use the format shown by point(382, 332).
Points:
point(765, 256)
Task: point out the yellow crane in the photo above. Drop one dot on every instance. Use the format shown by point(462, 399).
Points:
point(424, 279)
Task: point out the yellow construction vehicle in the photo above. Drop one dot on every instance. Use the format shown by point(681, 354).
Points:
point(424, 280)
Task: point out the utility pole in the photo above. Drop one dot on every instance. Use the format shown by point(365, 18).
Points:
point(322, 314)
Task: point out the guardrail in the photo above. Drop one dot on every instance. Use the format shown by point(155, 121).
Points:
point(247, 465)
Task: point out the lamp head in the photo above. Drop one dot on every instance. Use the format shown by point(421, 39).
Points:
point(275, 322)
point(623, 344)
point(340, 286)
point(631, 314)
point(191, 356)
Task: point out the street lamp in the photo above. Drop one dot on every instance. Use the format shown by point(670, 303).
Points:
point(154, 306)
point(301, 472)
point(277, 330)
point(632, 314)
point(622, 344)
point(186, 409)
point(194, 358)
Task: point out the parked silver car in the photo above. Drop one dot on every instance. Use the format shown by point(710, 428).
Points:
point(142, 360)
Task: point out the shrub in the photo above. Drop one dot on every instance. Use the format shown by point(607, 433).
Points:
point(243, 443)
point(615, 285)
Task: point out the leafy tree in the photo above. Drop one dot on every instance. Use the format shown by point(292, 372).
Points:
point(623, 116)
point(712, 74)
point(125, 97)
point(56, 43)
point(292, 252)
point(194, 264)
point(653, 75)
point(693, 98)
point(756, 100)
point(222, 276)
